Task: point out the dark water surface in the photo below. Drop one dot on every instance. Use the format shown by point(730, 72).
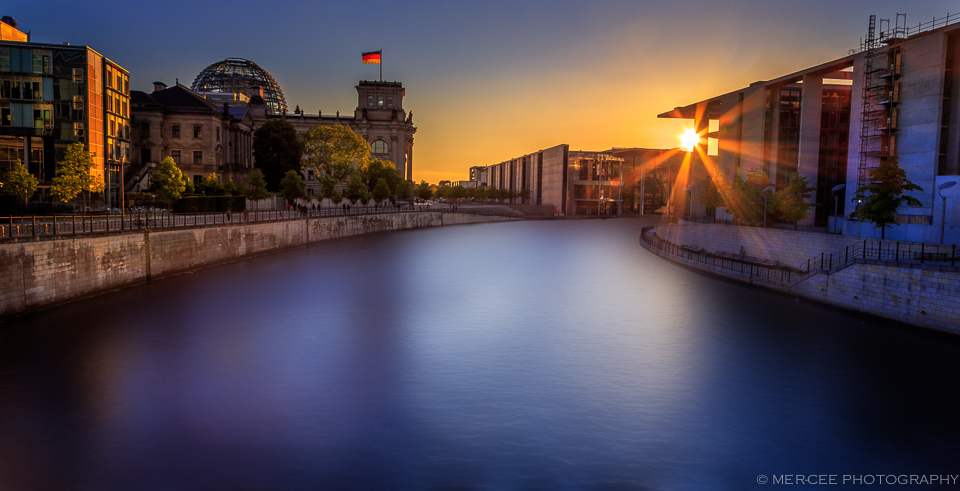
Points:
point(513, 356)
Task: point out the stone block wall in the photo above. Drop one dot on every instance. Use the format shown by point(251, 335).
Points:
point(45, 270)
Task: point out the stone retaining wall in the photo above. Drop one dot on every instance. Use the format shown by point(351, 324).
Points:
point(923, 295)
point(45, 270)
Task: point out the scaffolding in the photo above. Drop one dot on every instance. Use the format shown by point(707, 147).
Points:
point(882, 72)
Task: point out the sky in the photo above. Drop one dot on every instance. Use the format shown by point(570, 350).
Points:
point(487, 81)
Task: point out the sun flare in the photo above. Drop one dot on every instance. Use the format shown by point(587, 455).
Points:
point(689, 140)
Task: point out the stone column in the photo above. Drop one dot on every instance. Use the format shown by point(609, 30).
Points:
point(773, 158)
point(409, 172)
point(811, 108)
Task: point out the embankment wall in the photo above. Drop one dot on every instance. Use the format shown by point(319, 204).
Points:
point(922, 295)
point(36, 272)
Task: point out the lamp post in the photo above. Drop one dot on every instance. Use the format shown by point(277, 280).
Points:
point(943, 216)
point(835, 198)
point(766, 195)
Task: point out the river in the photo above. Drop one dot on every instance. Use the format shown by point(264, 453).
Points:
point(503, 356)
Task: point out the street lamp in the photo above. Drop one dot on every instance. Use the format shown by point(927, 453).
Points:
point(943, 217)
point(766, 194)
point(835, 198)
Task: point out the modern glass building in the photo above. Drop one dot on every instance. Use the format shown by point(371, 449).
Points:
point(54, 95)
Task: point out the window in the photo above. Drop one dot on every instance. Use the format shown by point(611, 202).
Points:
point(197, 131)
point(78, 102)
point(218, 133)
point(78, 75)
point(78, 129)
point(144, 155)
point(175, 129)
point(6, 119)
point(389, 101)
point(144, 130)
point(380, 100)
point(175, 155)
point(197, 157)
point(196, 180)
point(379, 146)
point(369, 100)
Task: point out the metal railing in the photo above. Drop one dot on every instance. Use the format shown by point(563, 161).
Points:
point(36, 225)
point(771, 271)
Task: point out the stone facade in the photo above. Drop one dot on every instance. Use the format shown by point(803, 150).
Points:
point(201, 137)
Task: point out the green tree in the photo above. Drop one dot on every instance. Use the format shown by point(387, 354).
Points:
point(882, 197)
point(231, 188)
point(793, 201)
point(710, 196)
point(376, 169)
point(356, 189)
point(277, 149)
point(74, 175)
point(423, 191)
point(402, 190)
point(458, 192)
point(292, 186)
point(210, 186)
point(381, 192)
point(257, 191)
point(328, 185)
point(336, 197)
point(167, 181)
point(743, 197)
point(336, 150)
point(525, 194)
point(19, 182)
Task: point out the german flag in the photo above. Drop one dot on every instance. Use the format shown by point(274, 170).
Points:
point(371, 57)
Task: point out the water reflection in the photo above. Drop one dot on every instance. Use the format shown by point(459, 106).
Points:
point(542, 355)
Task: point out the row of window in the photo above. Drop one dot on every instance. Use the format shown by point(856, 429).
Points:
point(27, 115)
point(175, 155)
point(25, 60)
point(379, 101)
point(25, 88)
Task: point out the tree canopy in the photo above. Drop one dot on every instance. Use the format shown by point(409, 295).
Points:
point(167, 181)
point(423, 191)
point(793, 201)
point(74, 174)
point(277, 148)
point(356, 189)
point(19, 182)
point(336, 150)
point(292, 186)
point(381, 192)
point(257, 190)
point(883, 195)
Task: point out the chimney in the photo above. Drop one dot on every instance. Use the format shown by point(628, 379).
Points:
point(158, 86)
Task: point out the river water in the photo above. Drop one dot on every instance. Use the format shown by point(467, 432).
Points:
point(513, 356)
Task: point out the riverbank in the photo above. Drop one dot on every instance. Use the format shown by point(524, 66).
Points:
point(40, 271)
point(924, 292)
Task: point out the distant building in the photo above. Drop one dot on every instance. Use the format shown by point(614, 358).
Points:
point(896, 96)
point(610, 182)
point(201, 137)
point(54, 95)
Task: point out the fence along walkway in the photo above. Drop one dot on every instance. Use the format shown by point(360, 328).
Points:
point(77, 224)
point(879, 251)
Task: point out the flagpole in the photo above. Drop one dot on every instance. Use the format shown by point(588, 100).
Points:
point(381, 65)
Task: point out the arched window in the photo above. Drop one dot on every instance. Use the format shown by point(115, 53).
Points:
point(389, 101)
point(379, 146)
point(369, 100)
point(380, 100)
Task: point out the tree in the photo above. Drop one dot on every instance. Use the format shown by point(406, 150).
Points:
point(743, 198)
point(167, 181)
point(403, 190)
point(277, 148)
point(292, 186)
point(328, 185)
point(230, 187)
point(423, 191)
point(19, 182)
point(882, 197)
point(710, 196)
point(376, 169)
point(793, 201)
point(210, 186)
point(381, 192)
point(257, 190)
point(336, 150)
point(356, 189)
point(74, 175)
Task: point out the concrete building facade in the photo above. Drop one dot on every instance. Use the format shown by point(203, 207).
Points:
point(834, 122)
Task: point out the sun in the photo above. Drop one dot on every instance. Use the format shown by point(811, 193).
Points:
point(689, 140)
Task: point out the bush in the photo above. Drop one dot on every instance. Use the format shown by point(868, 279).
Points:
point(209, 204)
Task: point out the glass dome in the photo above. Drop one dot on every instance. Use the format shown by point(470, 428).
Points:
point(244, 76)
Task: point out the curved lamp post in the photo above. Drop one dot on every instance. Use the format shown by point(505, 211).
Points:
point(766, 195)
point(943, 216)
point(835, 198)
